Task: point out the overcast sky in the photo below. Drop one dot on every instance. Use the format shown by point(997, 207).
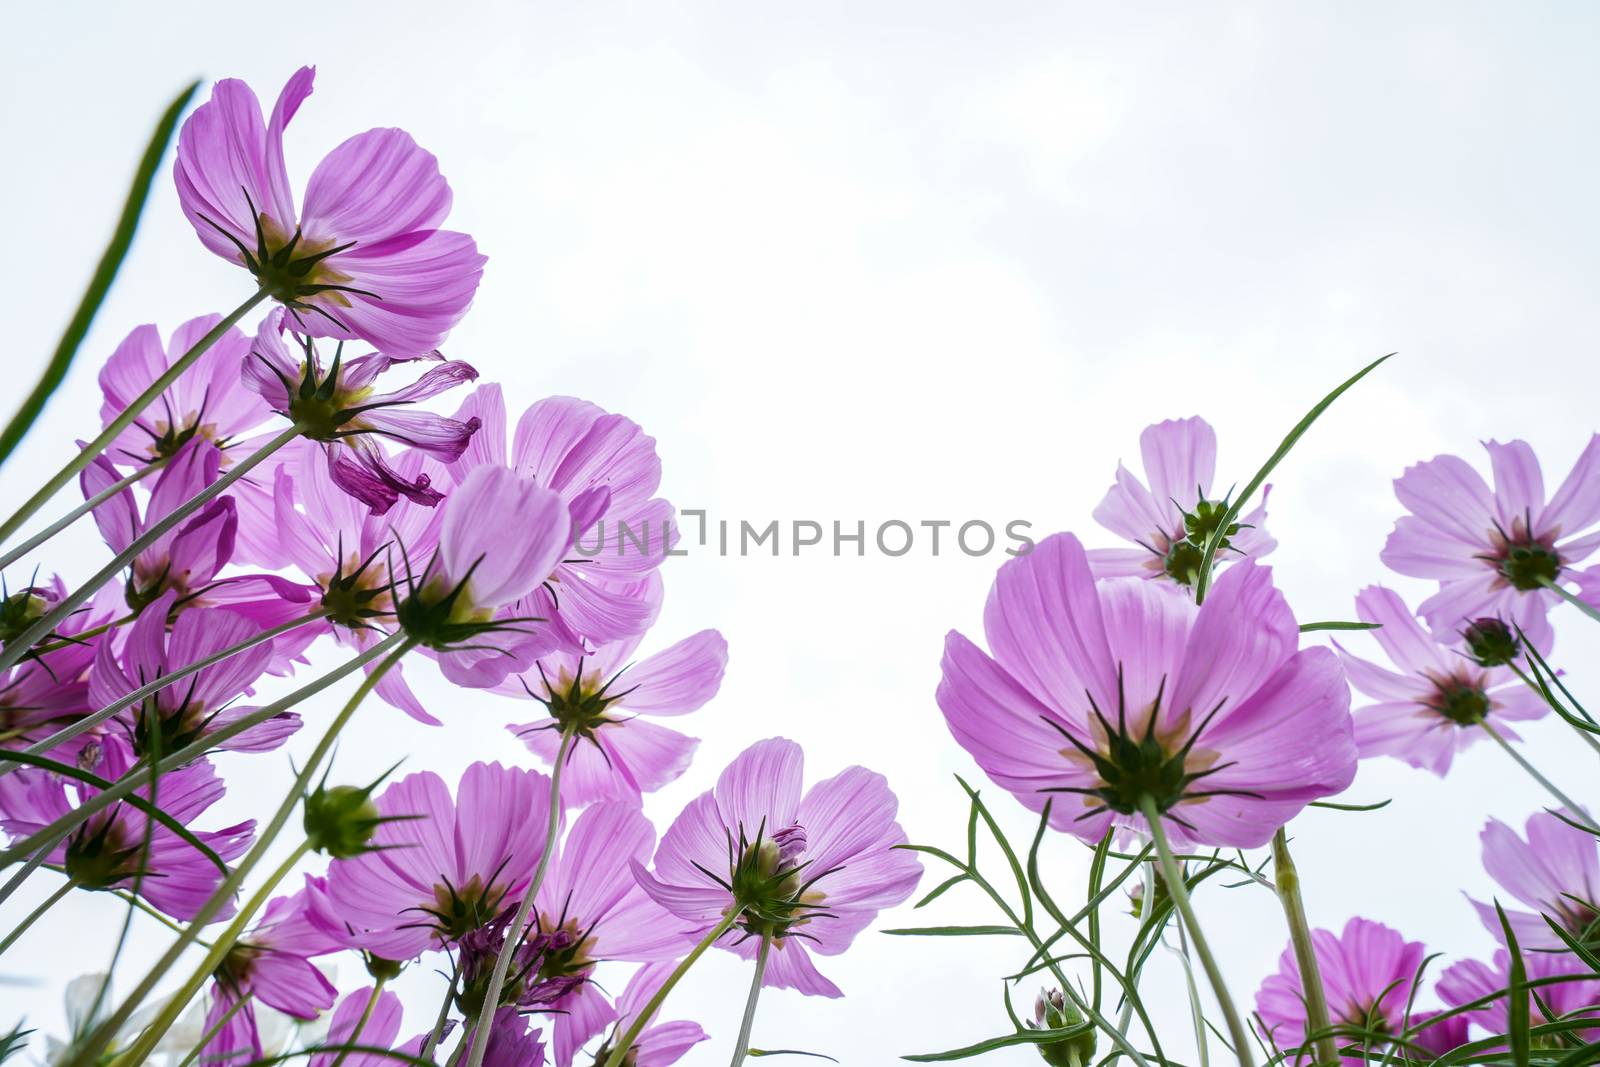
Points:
point(917, 261)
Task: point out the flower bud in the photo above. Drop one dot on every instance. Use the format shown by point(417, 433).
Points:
point(1053, 1011)
point(1491, 643)
point(340, 821)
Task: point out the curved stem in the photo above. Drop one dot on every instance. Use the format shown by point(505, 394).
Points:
point(1287, 878)
point(89, 722)
point(742, 1048)
point(361, 1023)
point(12, 555)
point(1179, 892)
point(89, 1051)
point(33, 916)
point(220, 948)
point(18, 647)
point(1197, 1013)
point(37, 844)
point(86, 455)
point(437, 1032)
point(502, 963)
point(36, 860)
point(653, 1006)
point(1567, 802)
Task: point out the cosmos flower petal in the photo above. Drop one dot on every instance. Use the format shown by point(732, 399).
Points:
point(1518, 484)
point(1180, 459)
point(492, 503)
point(374, 186)
point(1576, 504)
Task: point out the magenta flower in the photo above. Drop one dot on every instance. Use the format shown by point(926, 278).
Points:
point(45, 690)
point(1368, 974)
point(188, 559)
point(658, 1044)
point(1430, 708)
point(1470, 980)
point(605, 469)
point(1172, 519)
point(1101, 695)
point(271, 965)
point(1555, 871)
point(811, 872)
point(381, 1028)
point(205, 701)
point(500, 537)
point(354, 558)
point(512, 1043)
point(364, 257)
point(617, 754)
point(590, 898)
point(108, 850)
point(1492, 552)
point(337, 404)
point(442, 867)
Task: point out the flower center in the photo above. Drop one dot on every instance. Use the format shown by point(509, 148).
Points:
point(1460, 699)
point(1525, 562)
point(771, 882)
point(460, 910)
point(1186, 553)
point(98, 856)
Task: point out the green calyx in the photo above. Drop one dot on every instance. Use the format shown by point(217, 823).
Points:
point(291, 269)
point(353, 600)
point(771, 885)
point(1529, 566)
point(1185, 556)
point(1460, 700)
point(97, 859)
point(579, 705)
point(342, 821)
point(1491, 643)
point(1053, 1011)
point(20, 610)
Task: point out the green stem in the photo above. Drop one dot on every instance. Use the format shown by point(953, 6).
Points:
point(89, 722)
point(1197, 1013)
point(44, 839)
point(1586, 608)
point(1287, 879)
point(742, 1048)
point(1578, 810)
point(444, 1012)
point(141, 1049)
point(519, 923)
point(33, 916)
point(640, 1021)
point(1566, 716)
point(216, 1028)
point(17, 648)
point(86, 455)
point(1178, 891)
point(100, 283)
point(90, 1050)
point(79, 512)
point(361, 1023)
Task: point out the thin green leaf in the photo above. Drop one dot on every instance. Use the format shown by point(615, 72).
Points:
point(1516, 995)
point(14, 1042)
point(1333, 805)
point(1313, 627)
point(100, 283)
point(133, 800)
point(1203, 582)
point(932, 851)
point(1555, 676)
point(1006, 849)
point(955, 931)
point(1026, 1037)
point(788, 1052)
point(1578, 948)
point(952, 882)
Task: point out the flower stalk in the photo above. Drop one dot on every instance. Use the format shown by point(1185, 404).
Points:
point(1179, 892)
point(648, 1012)
point(741, 1048)
point(89, 452)
point(519, 923)
point(1287, 879)
point(14, 554)
point(1550, 787)
point(33, 916)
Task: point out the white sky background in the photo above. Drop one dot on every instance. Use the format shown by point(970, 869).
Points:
point(919, 261)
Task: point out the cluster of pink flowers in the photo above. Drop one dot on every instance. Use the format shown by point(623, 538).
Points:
point(290, 488)
point(1115, 699)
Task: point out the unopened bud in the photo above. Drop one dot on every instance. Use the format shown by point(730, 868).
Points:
point(1053, 1011)
point(341, 821)
point(1491, 643)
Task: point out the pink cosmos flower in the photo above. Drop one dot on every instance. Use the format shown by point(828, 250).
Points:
point(512, 1043)
point(501, 536)
point(1555, 871)
point(363, 257)
point(617, 754)
point(450, 868)
point(209, 401)
point(1470, 980)
point(810, 871)
point(1492, 551)
point(1100, 695)
point(380, 1030)
point(1368, 974)
point(1430, 708)
point(591, 898)
point(188, 559)
point(271, 965)
point(605, 470)
point(46, 690)
point(658, 1044)
point(1171, 520)
point(355, 559)
point(108, 850)
point(187, 710)
point(337, 404)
